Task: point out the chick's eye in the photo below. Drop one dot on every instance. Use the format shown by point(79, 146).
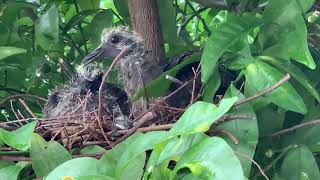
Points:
point(115, 39)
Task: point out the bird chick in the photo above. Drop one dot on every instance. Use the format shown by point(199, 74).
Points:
point(66, 100)
point(136, 68)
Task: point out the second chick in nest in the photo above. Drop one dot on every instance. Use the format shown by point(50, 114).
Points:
point(69, 99)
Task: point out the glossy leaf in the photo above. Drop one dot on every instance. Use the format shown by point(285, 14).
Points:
point(10, 172)
point(88, 4)
point(19, 139)
point(78, 167)
point(291, 36)
point(211, 87)
point(222, 38)
point(92, 149)
point(246, 130)
point(200, 116)
point(168, 21)
point(6, 51)
point(300, 164)
point(296, 73)
point(46, 156)
point(260, 76)
point(212, 158)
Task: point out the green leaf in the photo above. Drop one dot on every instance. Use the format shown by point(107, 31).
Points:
point(295, 72)
point(176, 147)
point(92, 149)
point(291, 36)
point(300, 164)
point(225, 36)
point(212, 158)
point(211, 86)
point(246, 130)
point(6, 51)
point(47, 28)
point(10, 172)
point(270, 112)
point(199, 117)
point(168, 21)
point(46, 156)
point(122, 8)
point(78, 18)
point(78, 167)
point(260, 76)
point(19, 139)
point(101, 20)
point(133, 170)
point(145, 142)
point(88, 4)
point(128, 156)
point(306, 4)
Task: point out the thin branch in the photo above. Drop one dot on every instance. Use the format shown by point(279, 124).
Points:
point(284, 152)
point(80, 27)
point(148, 116)
point(254, 162)
point(264, 92)
point(234, 139)
point(293, 128)
point(27, 108)
point(22, 96)
point(205, 26)
point(104, 79)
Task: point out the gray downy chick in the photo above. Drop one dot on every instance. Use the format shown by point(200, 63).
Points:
point(136, 68)
point(65, 101)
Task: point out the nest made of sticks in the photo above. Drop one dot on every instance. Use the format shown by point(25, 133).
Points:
point(81, 127)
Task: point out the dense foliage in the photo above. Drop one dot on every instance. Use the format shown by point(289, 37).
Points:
point(245, 48)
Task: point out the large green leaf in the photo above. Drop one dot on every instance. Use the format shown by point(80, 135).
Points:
point(10, 172)
point(300, 164)
point(291, 34)
point(212, 158)
point(260, 76)
point(295, 72)
point(46, 155)
point(176, 147)
point(19, 139)
point(6, 51)
point(211, 86)
point(78, 167)
point(144, 142)
point(264, 117)
point(168, 21)
point(245, 130)
point(128, 156)
point(47, 28)
point(88, 4)
point(200, 116)
point(223, 37)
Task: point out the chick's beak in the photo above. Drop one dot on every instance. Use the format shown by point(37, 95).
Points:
point(93, 55)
